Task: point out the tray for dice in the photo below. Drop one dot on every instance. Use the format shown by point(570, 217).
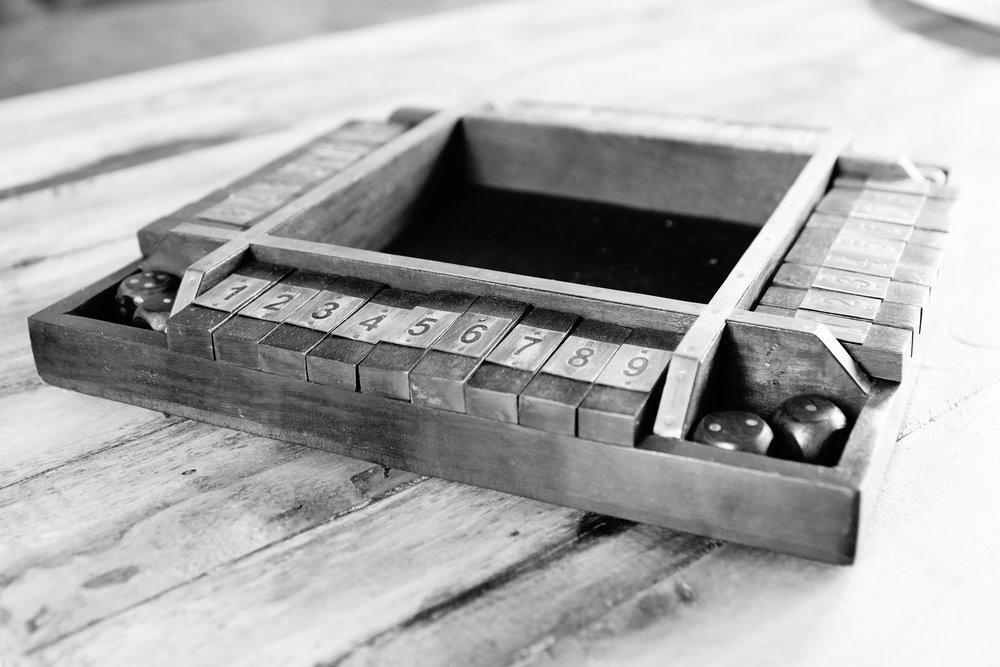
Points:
point(699, 324)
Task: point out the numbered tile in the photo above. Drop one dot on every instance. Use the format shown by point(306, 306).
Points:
point(386, 370)
point(796, 276)
point(812, 246)
point(836, 303)
point(336, 155)
point(864, 226)
point(838, 280)
point(891, 197)
point(238, 340)
point(230, 213)
point(878, 229)
point(265, 195)
point(191, 330)
point(868, 265)
point(866, 204)
point(842, 328)
point(301, 173)
point(493, 390)
point(438, 380)
point(868, 246)
point(551, 399)
point(241, 287)
point(615, 409)
point(917, 274)
point(782, 297)
point(819, 220)
point(284, 350)
point(334, 361)
point(328, 309)
point(904, 185)
point(370, 132)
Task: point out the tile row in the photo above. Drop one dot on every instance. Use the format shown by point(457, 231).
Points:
point(484, 356)
point(279, 182)
point(864, 265)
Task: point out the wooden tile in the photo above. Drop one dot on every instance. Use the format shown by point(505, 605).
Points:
point(885, 352)
point(877, 228)
point(796, 276)
point(937, 215)
point(905, 185)
point(838, 303)
point(866, 204)
point(550, 400)
point(238, 340)
point(919, 255)
point(334, 360)
point(908, 293)
point(820, 220)
point(775, 310)
point(301, 173)
point(838, 280)
point(915, 273)
point(906, 200)
point(899, 315)
point(284, 350)
point(191, 330)
point(386, 370)
point(439, 378)
point(843, 328)
point(782, 297)
point(872, 266)
point(264, 195)
point(231, 213)
point(929, 237)
point(615, 409)
point(239, 288)
point(868, 246)
point(812, 246)
point(493, 390)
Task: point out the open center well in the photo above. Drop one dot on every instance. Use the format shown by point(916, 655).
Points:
point(637, 213)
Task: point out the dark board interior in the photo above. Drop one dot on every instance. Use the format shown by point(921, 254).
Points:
point(602, 245)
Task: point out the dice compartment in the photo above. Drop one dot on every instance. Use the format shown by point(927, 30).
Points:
point(753, 185)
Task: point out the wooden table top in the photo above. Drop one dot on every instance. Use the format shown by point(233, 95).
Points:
point(134, 538)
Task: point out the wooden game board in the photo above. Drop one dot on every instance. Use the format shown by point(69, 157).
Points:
point(350, 296)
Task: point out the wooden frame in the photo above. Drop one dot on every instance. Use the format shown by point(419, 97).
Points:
point(337, 227)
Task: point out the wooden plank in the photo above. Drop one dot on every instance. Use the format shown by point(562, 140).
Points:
point(173, 508)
